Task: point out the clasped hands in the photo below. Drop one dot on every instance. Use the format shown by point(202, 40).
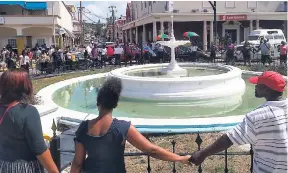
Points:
point(196, 158)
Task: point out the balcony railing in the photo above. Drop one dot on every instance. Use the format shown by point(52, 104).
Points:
point(29, 20)
point(63, 157)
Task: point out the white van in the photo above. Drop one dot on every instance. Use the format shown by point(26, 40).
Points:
point(275, 36)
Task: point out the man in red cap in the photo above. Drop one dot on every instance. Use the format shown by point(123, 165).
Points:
point(265, 128)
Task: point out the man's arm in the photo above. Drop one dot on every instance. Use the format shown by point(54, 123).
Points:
point(243, 133)
point(219, 145)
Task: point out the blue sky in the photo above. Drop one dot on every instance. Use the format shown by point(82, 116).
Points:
point(100, 8)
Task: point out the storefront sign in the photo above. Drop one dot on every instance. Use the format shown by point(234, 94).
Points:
point(233, 17)
point(2, 20)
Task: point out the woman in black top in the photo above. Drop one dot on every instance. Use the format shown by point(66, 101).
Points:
point(103, 138)
point(22, 147)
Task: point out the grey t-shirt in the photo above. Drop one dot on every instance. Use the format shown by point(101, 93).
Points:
point(265, 48)
point(21, 134)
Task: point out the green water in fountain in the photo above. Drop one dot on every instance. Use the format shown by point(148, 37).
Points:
point(82, 97)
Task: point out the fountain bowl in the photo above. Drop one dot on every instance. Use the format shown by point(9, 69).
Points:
point(196, 88)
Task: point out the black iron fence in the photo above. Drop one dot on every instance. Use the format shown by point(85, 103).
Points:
point(57, 68)
point(63, 157)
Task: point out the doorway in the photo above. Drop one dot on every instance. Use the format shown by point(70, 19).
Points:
point(29, 41)
point(232, 27)
point(233, 34)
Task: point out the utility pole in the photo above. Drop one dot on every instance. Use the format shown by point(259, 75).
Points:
point(54, 38)
point(81, 24)
point(113, 21)
point(215, 21)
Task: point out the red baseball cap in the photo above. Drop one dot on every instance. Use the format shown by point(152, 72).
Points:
point(271, 79)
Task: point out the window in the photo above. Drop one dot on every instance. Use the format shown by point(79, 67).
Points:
point(40, 41)
point(145, 4)
point(252, 4)
point(12, 43)
point(141, 5)
point(149, 3)
point(252, 38)
point(269, 37)
point(279, 37)
point(154, 2)
point(230, 4)
point(206, 4)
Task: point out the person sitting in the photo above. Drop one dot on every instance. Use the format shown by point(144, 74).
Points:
point(103, 138)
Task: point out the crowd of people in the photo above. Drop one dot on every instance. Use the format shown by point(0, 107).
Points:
point(100, 142)
point(48, 60)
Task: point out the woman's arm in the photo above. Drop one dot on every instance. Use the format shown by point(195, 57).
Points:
point(34, 136)
point(47, 162)
point(140, 142)
point(79, 158)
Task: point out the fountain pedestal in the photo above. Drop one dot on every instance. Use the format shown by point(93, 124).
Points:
point(173, 69)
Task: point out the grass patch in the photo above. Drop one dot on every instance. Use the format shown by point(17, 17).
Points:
point(38, 84)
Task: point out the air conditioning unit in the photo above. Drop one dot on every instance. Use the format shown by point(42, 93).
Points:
point(205, 10)
point(195, 10)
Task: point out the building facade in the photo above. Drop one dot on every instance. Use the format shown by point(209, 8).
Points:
point(238, 18)
point(23, 24)
point(118, 29)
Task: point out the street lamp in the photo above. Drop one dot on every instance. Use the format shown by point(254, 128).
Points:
point(215, 20)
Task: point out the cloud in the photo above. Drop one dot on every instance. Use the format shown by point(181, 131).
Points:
point(100, 8)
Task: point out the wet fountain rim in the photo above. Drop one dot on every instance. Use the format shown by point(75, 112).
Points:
point(231, 72)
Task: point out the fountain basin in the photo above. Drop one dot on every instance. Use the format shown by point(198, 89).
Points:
point(216, 87)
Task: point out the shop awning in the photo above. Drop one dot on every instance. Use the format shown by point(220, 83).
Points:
point(70, 34)
point(20, 3)
point(36, 5)
point(64, 31)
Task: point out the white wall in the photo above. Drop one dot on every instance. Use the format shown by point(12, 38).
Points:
point(4, 41)
point(222, 7)
point(227, 6)
point(56, 9)
point(66, 18)
point(48, 40)
point(157, 7)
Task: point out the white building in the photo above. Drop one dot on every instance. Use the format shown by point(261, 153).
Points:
point(150, 18)
point(27, 23)
point(118, 29)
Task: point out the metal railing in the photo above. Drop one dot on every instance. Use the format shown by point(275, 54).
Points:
point(57, 153)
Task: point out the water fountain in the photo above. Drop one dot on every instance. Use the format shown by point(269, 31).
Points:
point(161, 98)
point(183, 83)
point(173, 68)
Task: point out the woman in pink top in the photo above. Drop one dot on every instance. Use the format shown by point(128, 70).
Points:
point(283, 52)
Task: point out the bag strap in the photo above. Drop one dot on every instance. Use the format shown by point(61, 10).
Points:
point(7, 109)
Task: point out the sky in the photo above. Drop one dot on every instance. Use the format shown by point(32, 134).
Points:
point(100, 8)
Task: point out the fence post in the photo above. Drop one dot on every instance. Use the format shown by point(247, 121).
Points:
point(251, 153)
point(226, 162)
point(148, 160)
point(55, 147)
point(199, 142)
point(173, 150)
